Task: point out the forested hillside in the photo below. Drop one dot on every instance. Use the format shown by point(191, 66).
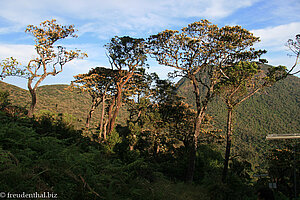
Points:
point(121, 132)
point(271, 111)
point(277, 113)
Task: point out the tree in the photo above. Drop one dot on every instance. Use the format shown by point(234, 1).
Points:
point(243, 81)
point(159, 119)
point(50, 59)
point(111, 86)
point(99, 83)
point(126, 55)
point(200, 52)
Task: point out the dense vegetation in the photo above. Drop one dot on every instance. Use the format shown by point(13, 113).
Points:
point(273, 111)
point(122, 133)
point(49, 154)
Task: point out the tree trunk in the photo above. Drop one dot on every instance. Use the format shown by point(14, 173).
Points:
point(131, 147)
point(112, 122)
point(194, 146)
point(192, 161)
point(33, 103)
point(197, 127)
point(228, 144)
point(32, 92)
point(89, 117)
point(105, 130)
point(102, 117)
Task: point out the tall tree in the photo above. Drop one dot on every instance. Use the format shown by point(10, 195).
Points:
point(126, 55)
point(111, 86)
point(50, 59)
point(200, 52)
point(243, 81)
point(99, 83)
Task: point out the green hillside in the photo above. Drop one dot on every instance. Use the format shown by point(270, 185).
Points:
point(117, 173)
point(55, 98)
point(273, 111)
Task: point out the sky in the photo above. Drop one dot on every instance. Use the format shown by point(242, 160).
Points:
point(97, 21)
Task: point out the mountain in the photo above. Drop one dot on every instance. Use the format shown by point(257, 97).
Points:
point(273, 111)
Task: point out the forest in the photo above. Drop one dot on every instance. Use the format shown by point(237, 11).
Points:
point(120, 132)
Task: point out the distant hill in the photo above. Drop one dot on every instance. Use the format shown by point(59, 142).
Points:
point(274, 111)
point(55, 98)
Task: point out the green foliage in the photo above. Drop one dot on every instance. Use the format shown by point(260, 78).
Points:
point(261, 115)
point(283, 162)
point(126, 52)
point(275, 74)
point(4, 101)
point(240, 74)
point(112, 140)
point(146, 155)
point(38, 160)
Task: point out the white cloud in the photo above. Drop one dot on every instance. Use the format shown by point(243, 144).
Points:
point(22, 53)
point(223, 8)
point(274, 38)
point(286, 10)
point(116, 15)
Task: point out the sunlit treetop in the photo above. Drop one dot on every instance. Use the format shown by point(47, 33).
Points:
point(203, 44)
point(46, 35)
point(126, 53)
point(10, 67)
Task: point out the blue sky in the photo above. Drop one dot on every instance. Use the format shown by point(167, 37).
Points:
point(97, 21)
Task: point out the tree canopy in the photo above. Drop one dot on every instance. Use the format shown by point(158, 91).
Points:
point(49, 60)
point(144, 136)
point(201, 52)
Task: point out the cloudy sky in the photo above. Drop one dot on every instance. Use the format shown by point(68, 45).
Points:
point(97, 21)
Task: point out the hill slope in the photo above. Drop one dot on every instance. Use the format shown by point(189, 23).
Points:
point(273, 111)
point(55, 98)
